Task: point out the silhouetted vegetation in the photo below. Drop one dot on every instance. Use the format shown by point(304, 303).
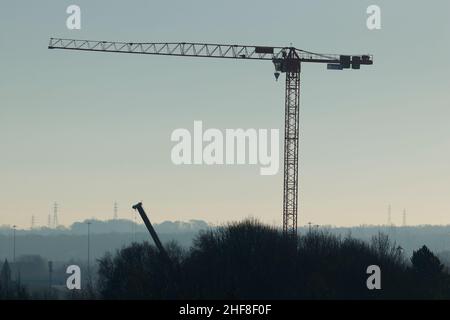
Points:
point(249, 260)
point(137, 272)
point(429, 274)
point(11, 289)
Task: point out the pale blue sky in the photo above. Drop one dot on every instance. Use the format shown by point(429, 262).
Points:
point(88, 129)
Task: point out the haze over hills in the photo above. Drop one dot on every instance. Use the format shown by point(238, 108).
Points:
point(108, 226)
point(63, 244)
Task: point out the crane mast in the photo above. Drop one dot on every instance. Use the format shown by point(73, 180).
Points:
point(291, 142)
point(285, 59)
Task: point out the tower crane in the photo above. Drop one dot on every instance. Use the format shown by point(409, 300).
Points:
point(286, 60)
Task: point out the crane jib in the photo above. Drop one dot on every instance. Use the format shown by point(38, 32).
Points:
point(209, 50)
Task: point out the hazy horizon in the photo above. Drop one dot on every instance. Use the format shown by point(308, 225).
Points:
point(138, 221)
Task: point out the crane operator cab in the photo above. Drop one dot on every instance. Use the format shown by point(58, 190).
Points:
point(290, 62)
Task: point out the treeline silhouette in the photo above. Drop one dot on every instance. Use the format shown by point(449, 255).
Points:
point(249, 260)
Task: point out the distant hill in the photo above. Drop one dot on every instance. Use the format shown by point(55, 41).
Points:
point(108, 226)
point(63, 244)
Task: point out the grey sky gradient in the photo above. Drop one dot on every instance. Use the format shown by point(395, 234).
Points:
point(87, 129)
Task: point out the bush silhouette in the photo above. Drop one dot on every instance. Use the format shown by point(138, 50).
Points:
point(243, 260)
point(136, 272)
point(426, 263)
point(250, 260)
point(429, 275)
